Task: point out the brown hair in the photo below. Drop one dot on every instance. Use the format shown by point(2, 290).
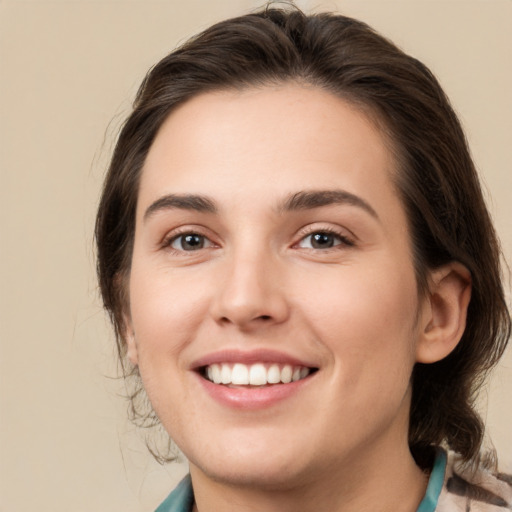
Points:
point(436, 179)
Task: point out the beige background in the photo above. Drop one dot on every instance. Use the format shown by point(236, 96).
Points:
point(68, 70)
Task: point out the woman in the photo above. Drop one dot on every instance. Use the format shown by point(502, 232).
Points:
point(298, 262)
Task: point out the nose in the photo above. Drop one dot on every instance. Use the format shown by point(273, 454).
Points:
point(251, 292)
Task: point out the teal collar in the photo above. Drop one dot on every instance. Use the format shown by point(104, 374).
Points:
point(435, 483)
point(180, 500)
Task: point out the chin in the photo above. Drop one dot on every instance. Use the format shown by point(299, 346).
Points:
point(265, 464)
point(267, 475)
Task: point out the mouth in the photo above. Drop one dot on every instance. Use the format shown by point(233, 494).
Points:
point(253, 380)
point(258, 374)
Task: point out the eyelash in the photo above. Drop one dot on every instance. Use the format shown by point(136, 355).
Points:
point(176, 235)
point(343, 240)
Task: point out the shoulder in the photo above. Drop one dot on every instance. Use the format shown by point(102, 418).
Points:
point(466, 489)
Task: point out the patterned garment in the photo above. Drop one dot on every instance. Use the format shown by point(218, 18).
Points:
point(451, 488)
point(480, 491)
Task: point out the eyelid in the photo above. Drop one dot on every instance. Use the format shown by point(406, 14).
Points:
point(206, 242)
point(346, 236)
point(172, 235)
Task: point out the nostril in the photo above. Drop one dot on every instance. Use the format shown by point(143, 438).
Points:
point(265, 317)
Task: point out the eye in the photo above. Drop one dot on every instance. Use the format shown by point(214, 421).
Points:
point(189, 242)
point(323, 240)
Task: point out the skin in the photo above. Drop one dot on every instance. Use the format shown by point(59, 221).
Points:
point(351, 310)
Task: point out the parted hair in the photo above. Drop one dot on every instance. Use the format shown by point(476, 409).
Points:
point(435, 178)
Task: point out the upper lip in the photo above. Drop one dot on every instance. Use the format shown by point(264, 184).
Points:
point(250, 357)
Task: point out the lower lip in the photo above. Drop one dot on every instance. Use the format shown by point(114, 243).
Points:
point(252, 398)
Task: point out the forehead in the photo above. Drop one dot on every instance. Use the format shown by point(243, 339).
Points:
point(265, 143)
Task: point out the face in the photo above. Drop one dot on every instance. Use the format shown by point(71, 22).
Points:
point(273, 301)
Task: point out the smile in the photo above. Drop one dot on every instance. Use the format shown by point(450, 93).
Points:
point(257, 374)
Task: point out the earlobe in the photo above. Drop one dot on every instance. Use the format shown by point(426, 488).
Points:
point(443, 318)
point(121, 281)
point(131, 344)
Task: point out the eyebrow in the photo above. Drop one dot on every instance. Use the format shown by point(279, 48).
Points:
point(303, 200)
point(307, 200)
point(182, 202)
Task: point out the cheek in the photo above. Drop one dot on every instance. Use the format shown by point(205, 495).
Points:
point(166, 312)
point(380, 297)
point(366, 316)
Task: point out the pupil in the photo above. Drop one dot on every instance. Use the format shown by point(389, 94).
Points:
point(322, 240)
point(192, 242)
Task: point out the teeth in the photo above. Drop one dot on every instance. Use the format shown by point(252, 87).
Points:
point(257, 374)
point(225, 374)
point(239, 375)
point(216, 374)
point(274, 374)
point(286, 374)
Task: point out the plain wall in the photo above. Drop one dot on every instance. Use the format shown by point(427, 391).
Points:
point(69, 70)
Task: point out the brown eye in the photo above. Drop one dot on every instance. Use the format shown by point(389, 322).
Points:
point(320, 240)
point(190, 242)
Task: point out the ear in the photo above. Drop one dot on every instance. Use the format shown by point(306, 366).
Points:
point(131, 344)
point(444, 311)
point(121, 283)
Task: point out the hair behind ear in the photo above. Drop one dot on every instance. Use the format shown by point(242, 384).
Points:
point(450, 368)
